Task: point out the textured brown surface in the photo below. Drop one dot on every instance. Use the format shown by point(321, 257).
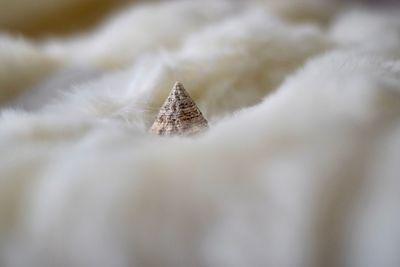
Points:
point(179, 115)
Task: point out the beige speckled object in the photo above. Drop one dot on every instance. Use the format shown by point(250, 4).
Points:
point(179, 115)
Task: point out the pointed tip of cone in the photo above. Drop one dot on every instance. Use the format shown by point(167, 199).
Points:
point(178, 84)
point(179, 115)
point(179, 89)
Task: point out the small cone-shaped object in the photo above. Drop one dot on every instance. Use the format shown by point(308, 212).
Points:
point(179, 115)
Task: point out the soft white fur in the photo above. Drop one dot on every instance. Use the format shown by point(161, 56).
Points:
point(22, 64)
point(299, 166)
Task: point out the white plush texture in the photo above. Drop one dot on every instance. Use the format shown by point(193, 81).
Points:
point(299, 166)
point(15, 73)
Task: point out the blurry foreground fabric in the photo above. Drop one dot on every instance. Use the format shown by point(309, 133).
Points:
point(299, 167)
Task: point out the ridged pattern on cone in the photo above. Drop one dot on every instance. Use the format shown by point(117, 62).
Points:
point(179, 115)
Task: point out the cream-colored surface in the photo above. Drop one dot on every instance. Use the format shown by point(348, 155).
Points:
point(299, 166)
point(22, 64)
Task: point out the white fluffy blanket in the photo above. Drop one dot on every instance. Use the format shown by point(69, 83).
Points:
point(300, 166)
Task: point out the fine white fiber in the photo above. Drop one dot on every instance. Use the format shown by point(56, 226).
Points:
point(299, 166)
